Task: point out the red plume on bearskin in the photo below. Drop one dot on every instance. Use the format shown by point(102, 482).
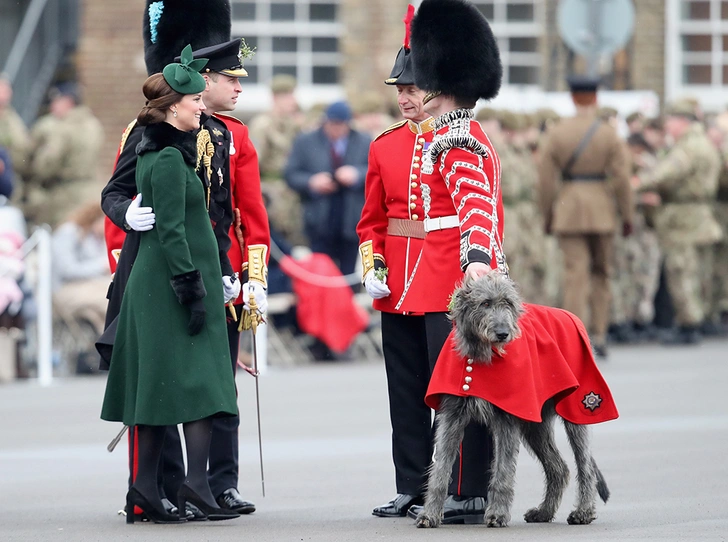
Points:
point(454, 50)
point(169, 25)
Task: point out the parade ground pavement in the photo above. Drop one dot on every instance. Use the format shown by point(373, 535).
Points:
point(326, 443)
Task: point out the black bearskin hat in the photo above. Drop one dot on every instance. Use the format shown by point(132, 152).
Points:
point(454, 51)
point(169, 25)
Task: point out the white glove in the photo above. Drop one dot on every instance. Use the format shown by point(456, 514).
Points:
point(376, 288)
point(259, 294)
point(139, 218)
point(230, 288)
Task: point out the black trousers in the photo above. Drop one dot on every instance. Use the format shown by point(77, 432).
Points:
point(344, 252)
point(411, 346)
point(223, 463)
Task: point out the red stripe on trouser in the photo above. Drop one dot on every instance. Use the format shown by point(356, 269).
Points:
point(460, 471)
point(134, 459)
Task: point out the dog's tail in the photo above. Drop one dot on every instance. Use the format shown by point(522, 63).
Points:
point(602, 488)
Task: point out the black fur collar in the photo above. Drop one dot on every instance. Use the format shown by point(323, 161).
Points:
point(158, 136)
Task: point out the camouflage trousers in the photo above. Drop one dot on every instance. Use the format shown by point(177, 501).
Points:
point(525, 249)
point(688, 271)
point(719, 282)
point(636, 275)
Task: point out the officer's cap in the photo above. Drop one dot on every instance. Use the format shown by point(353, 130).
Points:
point(226, 58)
point(67, 88)
point(511, 121)
point(283, 83)
point(582, 83)
point(681, 108)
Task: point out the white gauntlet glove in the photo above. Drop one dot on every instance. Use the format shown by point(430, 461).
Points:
point(376, 288)
point(230, 288)
point(259, 294)
point(139, 218)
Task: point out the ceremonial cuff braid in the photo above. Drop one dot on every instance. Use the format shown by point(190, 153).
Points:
point(188, 287)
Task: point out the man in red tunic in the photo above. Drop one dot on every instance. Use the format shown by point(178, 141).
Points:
point(411, 227)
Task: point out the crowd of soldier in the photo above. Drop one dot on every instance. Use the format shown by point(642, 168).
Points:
point(669, 278)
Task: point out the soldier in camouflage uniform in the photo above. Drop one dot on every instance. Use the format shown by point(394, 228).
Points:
point(524, 236)
point(686, 179)
point(637, 272)
point(64, 159)
point(718, 313)
point(13, 133)
point(272, 134)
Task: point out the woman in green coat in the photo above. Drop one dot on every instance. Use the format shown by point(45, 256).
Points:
point(171, 362)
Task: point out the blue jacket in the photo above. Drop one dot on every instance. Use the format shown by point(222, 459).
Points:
point(6, 176)
point(311, 154)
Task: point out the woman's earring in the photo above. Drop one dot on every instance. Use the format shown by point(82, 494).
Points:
point(174, 112)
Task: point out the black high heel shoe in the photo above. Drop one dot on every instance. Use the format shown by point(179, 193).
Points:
point(213, 513)
point(157, 514)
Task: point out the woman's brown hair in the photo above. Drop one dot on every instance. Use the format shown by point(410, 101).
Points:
point(160, 96)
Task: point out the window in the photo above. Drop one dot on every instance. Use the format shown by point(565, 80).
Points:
point(517, 24)
point(697, 49)
point(296, 37)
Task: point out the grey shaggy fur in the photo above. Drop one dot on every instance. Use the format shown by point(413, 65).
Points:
point(486, 313)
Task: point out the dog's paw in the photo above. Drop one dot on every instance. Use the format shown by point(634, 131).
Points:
point(536, 515)
point(582, 517)
point(424, 521)
point(492, 520)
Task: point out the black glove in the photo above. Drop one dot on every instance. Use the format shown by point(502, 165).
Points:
point(197, 316)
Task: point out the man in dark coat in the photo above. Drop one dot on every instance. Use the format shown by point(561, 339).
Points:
point(327, 168)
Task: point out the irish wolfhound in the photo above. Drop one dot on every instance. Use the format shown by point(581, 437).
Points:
point(486, 313)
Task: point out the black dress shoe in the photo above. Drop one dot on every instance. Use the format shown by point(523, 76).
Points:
point(187, 494)
point(684, 335)
point(230, 499)
point(194, 513)
point(458, 510)
point(154, 511)
point(397, 507)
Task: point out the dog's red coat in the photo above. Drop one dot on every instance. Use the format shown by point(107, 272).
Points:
point(551, 358)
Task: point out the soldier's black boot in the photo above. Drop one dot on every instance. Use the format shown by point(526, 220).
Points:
point(686, 335)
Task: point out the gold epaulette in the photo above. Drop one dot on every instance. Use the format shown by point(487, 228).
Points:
point(125, 135)
point(392, 128)
point(228, 117)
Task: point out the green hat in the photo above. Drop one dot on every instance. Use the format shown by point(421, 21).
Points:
point(681, 108)
point(282, 83)
point(184, 76)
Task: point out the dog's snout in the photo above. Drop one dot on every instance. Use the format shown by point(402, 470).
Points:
point(502, 336)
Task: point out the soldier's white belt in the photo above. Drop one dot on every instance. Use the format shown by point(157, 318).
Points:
point(418, 229)
point(441, 223)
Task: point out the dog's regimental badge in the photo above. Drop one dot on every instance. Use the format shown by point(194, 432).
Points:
point(217, 132)
point(592, 401)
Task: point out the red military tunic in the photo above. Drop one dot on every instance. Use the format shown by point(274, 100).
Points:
point(393, 191)
point(551, 359)
point(246, 197)
point(461, 178)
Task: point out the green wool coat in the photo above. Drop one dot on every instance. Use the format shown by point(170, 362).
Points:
point(159, 374)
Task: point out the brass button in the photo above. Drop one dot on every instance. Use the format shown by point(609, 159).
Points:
point(416, 166)
point(469, 369)
point(415, 217)
point(418, 147)
point(413, 205)
point(468, 379)
point(413, 176)
point(413, 185)
point(416, 158)
point(421, 140)
point(470, 361)
point(413, 197)
point(466, 387)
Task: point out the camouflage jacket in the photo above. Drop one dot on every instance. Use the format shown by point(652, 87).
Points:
point(686, 178)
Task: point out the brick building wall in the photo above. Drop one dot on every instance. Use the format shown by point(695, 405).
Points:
point(648, 47)
point(374, 34)
point(110, 62)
